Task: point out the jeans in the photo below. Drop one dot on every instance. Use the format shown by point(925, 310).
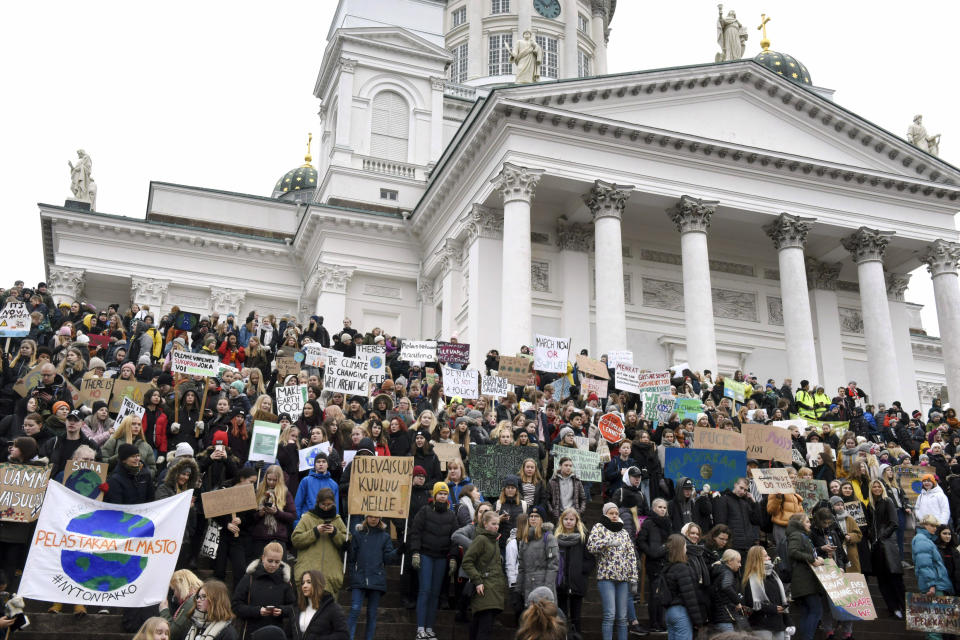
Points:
point(356, 603)
point(614, 596)
point(721, 627)
point(432, 571)
point(809, 610)
point(679, 626)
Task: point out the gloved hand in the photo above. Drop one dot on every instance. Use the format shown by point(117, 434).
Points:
point(175, 427)
point(453, 567)
point(86, 410)
point(634, 588)
point(199, 426)
point(415, 561)
point(161, 460)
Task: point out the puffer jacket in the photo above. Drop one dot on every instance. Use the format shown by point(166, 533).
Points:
point(681, 581)
point(538, 562)
point(934, 502)
point(780, 506)
point(724, 591)
point(431, 531)
point(320, 551)
point(742, 515)
point(370, 550)
point(616, 558)
point(259, 589)
point(928, 563)
point(308, 489)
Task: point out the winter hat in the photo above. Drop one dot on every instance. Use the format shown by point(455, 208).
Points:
point(125, 450)
point(438, 487)
point(835, 500)
point(883, 468)
point(75, 415)
point(461, 420)
point(540, 511)
point(284, 416)
point(99, 404)
point(593, 396)
point(607, 506)
point(238, 385)
point(865, 447)
point(929, 476)
point(58, 404)
point(473, 414)
point(165, 379)
point(180, 340)
point(566, 431)
point(687, 483)
point(367, 445)
point(64, 331)
point(378, 339)
point(183, 450)
point(419, 471)
point(220, 437)
point(132, 366)
point(511, 481)
point(268, 633)
point(541, 594)
point(387, 386)
point(97, 363)
point(144, 359)
point(346, 337)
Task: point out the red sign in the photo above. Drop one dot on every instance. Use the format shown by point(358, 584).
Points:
point(611, 428)
point(99, 341)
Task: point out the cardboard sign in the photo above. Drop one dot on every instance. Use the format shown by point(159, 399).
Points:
point(418, 351)
point(380, 486)
point(550, 354)
point(655, 382)
point(933, 614)
point(613, 357)
point(22, 488)
point(719, 469)
point(848, 592)
point(453, 353)
point(718, 439)
point(309, 455)
point(28, 382)
point(811, 492)
point(347, 375)
point(127, 408)
point(127, 389)
point(490, 463)
point(561, 388)
point(291, 400)
point(611, 428)
point(462, 383)
point(287, 367)
point(376, 356)
point(95, 390)
point(855, 511)
point(85, 477)
point(592, 385)
point(519, 371)
point(14, 320)
point(586, 364)
point(264, 442)
point(446, 451)
point(688, 408)
point(908, 478)
point(315, 355)
point(586, 463)
point(494, 386)
point(188, 363)
point(766, 442)
point(242, 497)
point(771, 481)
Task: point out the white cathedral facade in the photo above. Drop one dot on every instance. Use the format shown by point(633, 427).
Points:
point(727, 214)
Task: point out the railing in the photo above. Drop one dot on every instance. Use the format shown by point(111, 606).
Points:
point(459, 90)
point(389, 167)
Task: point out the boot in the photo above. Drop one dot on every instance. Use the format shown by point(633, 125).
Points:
point(56, 607)
point(79, 610)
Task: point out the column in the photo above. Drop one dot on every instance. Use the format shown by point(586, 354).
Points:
point(451, 279)
point(941, 258)
point(575, 242)
point(476, 60)
point(897, 283)
point(571, 9)
point(342, 141)
point(484, 233)
point(867, 247)
point(224, 301)
point(332, 292)
point(517, 186)
point(606, 202)
point(149, 291)
point(436, 119)
point(692, 218)
point(425, 297)
point(789, 235)
point(822, 279)
point(65, 283)
point(598, 33)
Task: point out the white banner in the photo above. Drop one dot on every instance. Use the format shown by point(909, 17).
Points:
point(376, 355)
point(418, 351)
point(550, 354)
point(14, 320)
point(347, 375)
point(308, 455)
point(613, 357)
point(264, 442)
point(627, 377)
point(291, 400)
point(114, 555)
point(127, 408)
point(315, 355)
point(460, 383)
point(494, 386)
point(194, 364)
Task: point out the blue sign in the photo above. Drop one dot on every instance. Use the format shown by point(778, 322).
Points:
point(719, 469)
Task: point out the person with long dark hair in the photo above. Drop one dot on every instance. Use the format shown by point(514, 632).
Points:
point(683, 615)
point(319, 617)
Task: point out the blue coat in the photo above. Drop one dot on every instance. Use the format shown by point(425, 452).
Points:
point(370, 549)
point(310, 487)
point(928, 564)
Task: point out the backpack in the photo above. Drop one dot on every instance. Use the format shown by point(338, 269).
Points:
point(783, 565)
point(661, 590)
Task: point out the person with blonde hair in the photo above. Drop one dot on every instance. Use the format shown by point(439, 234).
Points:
point(129, 432)
point(764, 596)
point(154, 628)
point(212, 617)
point(276, 511)
point(262, 409)
point(577, 564)
point(885, 560)
point(264, 596)
point(185, 585)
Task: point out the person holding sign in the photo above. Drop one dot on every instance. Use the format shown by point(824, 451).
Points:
point(275, 512)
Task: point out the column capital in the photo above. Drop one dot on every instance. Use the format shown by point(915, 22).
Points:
point(941, 257)
point(788, 231)
point(896, 285)
point(867, 245)
point(425, 292)
point(225, 300)
point(348, 65)
point(517, 183)
point(574, 236)
point(65, 283)
point(822, 275)
point(334, 277)
point(148, 290)
point(448, 255)
point(692, 214)
point(606, 199)
point(598, 8)
point(482, 222)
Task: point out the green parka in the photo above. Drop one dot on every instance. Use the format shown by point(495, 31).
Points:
point(320, 551)
point(482, 565)
point(804, 582)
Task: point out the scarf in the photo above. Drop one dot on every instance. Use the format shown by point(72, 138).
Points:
point(849, 455)
point(757, 591)
point(269, 520)
point(201, 630)
point(325, 514)
point(615, 527)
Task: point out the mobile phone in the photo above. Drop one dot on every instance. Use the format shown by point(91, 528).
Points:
point(219, 448)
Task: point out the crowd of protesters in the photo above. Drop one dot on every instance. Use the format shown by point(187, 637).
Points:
point(699, 560)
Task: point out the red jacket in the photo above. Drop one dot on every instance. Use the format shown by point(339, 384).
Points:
point(229, 357)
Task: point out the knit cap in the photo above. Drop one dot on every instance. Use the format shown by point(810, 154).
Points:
point(607, 506)
point(438, 487)
point(419, 471)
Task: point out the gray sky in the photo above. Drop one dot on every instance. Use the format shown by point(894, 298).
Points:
point(219, 94)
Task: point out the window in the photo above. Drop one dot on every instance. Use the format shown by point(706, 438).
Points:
point(549, 68)
point(499, 59)
point(389, 194)
point(499, 6)
point(583, 23)
point(390, 127)
point(459, 16)
point(458, 68)
point(583, 64)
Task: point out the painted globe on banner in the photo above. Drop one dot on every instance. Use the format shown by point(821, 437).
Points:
point(106, 571)
point(86, 482)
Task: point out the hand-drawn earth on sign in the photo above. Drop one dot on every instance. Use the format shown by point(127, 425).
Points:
point(86, 482)
point(111, 570)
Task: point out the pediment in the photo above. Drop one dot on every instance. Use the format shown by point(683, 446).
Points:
point(395, 37)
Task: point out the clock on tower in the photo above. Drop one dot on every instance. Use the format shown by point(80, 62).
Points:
point(547, 8)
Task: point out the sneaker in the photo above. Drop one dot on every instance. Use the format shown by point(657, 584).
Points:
point(906, 565)
point(104, 611)
point(637, 629)
point(56, 607)
point(422, 635)
point(430, 634)
point(898, 614)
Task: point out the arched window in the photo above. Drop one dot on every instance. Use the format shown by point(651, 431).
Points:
point(390, 128)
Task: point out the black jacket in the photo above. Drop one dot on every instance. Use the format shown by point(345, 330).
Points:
point(682, 585)
point(328, 623)
point(577, 563)
point(766, 618)
point(257, 589)
point(701, 572)
point(882, 528)
point(724, 592)
point(129, 487)
point(650, 542)
point(742, 515)
point(430, 462)
point(431, 530)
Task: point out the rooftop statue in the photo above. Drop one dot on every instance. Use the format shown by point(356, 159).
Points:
point(527, 55)
point(917, 136)
point(731, 36)
point(81, 181)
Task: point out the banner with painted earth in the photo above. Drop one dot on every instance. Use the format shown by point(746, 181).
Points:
point(95, 553)
point(719, 469)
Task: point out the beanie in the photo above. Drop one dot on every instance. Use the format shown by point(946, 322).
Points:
point(835, 500)
point(99, 404)
point(125, 450)
point(438, 487)
point(566, 431)
point(220, 437)
point(511, 481)
point(58, 404)
point(184, 449)
point(97, 363)
point(930, 477)
point(367, 445)
point(419, 471)
point(165, 379)
point(607, 507)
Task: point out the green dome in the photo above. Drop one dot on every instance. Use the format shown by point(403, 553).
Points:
point(300, 179)
point(785, 65)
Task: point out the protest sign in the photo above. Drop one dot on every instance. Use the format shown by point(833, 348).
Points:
point(586, 364)
point(838, 426)
point(453, 353)
point(128, 407)
point(586, 463)
point(719, 469)
point(431, 377)
point(611, 428)
point(188, 363)
point(418, 351)
point(626, 377)
point(770, 481)
point(347, 375)
point(814, 449)
point(688, 408)
point(85, 477)
point(561, 388)
point(315, 355)
point(592, 385)
point(89, 552)
point(765, 442)
point(656, 382)
point(933, 614)
point(908, 478)
point(22, 488)
point(309, 455)
point(517, 370)
point(848, 592)
point(287, 367)
point(95, 390)
point(98, 341)
point(241, 497)
point(678, 369)
point(734, 390)
point(657, 407)
point(380, 486)
point(127, 389)
point(550, 354)
point(811, 492)
point(583, 442)
point(855, 511)
point(28, 382)
point(186, 321)
point(462, 383)
point(348, 457)
point(799, 423)
point(264, 441)
point(490, 463)
point(494, 386)
point(376, 355)
point(718, 439)
point(613, 357)
point(446, 451)
point(14, 320)
point(291, 400)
